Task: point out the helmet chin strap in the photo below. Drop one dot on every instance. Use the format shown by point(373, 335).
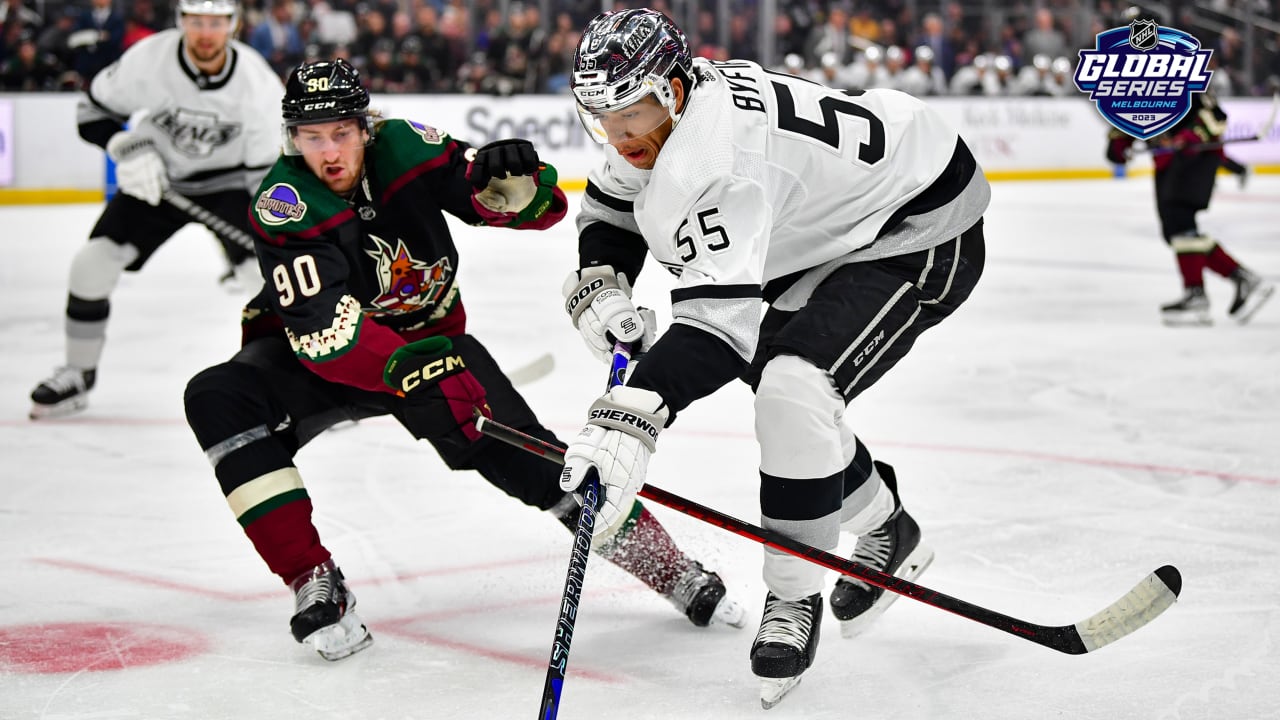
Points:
point(667, 96)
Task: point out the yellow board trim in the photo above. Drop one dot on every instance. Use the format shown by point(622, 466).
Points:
point(49, 196)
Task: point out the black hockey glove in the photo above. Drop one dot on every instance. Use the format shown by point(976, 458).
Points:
point(500, 159)
point(432, 372)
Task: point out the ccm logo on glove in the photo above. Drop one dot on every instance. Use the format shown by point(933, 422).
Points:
point(429, 372)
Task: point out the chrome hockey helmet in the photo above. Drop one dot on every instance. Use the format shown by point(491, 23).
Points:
point(624, 57)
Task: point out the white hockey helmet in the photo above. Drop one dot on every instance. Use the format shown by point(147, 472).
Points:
point(622, 58)
point(228, 8)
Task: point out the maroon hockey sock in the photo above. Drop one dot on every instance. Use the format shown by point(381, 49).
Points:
point(643, 548)
point(1221, 262)
point(287, 540)
point(1191, 265)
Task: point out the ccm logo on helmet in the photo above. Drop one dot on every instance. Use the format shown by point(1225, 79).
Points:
point(320, 105)
point(583, 293)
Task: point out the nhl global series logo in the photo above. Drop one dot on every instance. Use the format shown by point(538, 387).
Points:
point(1142, 76)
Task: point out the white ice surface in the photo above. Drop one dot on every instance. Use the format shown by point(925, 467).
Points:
point(1055, 442)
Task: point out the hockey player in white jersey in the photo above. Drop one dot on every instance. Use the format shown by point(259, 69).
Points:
point(856, 218)
point(204, 111)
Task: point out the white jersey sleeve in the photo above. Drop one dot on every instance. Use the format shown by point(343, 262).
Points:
point(215, 133)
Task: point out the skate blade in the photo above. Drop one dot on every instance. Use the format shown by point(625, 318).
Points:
point(730, 612)
point(917, 562)
point(772, 690)
point(1251, 306)
point(1186, 320)
point(70, 406)
point(342, 639)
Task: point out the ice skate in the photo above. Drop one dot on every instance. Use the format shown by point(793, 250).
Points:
point(785, 645)
point(701, 596)
point(893, 548)
point(1252, 292)
point(324, 616)
point(1192, 309)
point(64, 393)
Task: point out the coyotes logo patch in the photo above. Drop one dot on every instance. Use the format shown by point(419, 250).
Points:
point(280, 204)
point(430, 135)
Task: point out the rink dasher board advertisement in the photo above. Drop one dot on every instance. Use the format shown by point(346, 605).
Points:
point(1040, 137)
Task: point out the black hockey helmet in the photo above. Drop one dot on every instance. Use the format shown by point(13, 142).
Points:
point(1143, 12)
point(323, 91)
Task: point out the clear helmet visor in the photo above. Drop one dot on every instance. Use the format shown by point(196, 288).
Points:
point(618, 124)
point(611, 117)
point(318, 138)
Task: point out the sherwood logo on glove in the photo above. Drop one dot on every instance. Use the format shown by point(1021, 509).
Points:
point(583, 293)
point(625, 418)
point(1142, 76)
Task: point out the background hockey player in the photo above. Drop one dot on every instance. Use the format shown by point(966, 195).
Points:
point(204, 109)
point(362, 316)
point(1186, 158)
point(861, 231)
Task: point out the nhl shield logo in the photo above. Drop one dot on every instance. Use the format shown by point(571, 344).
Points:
point(1144, 35)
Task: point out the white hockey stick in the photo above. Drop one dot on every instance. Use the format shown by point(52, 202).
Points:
point(532, 371)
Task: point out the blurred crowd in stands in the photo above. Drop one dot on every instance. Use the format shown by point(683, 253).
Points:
point(505, 47)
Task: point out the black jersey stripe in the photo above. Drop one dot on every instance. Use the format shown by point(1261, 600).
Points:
point(945, 188)
point(595, 193)
point(717, 292)
point(208, 82)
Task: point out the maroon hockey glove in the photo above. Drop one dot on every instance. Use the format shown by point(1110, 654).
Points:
point(1186, 141)
point(430, 372)
point(1118, 149)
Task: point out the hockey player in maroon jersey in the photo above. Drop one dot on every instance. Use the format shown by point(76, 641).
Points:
point(1187, 157)
point(362, 316)
point(856, 218)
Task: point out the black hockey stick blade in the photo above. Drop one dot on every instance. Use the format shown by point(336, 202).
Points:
point(1145, 602)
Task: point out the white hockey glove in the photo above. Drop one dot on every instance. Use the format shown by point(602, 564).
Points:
point(598, 301)
point(140, 171)
point(621, 432)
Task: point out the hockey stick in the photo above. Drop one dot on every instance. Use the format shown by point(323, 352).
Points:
point(208, 219)
point(577, 572)
point(1263, 133)
point(535, 369)
point(1144, 603)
